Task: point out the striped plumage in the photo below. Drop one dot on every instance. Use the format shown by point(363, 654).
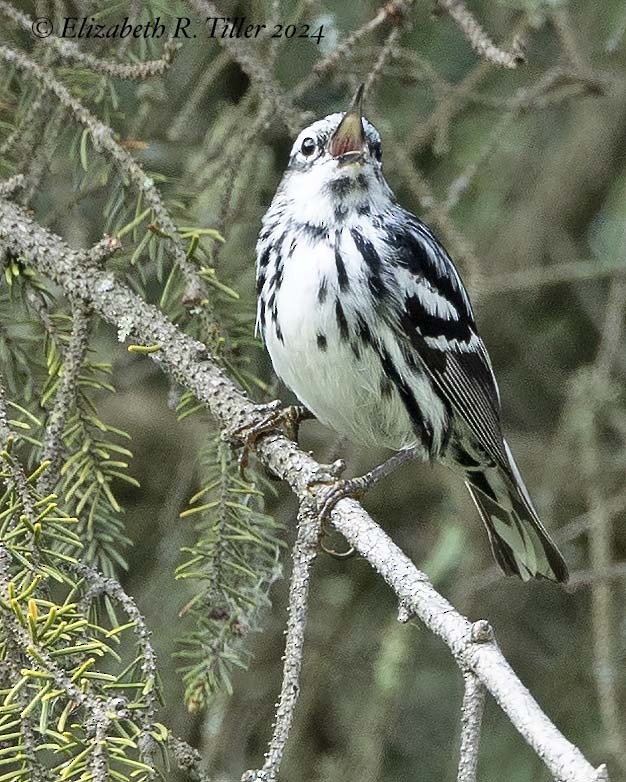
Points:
point(367, 320)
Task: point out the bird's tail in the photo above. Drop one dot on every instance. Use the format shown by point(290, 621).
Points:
point(519, 541)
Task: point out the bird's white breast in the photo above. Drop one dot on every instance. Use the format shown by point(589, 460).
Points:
point(340, 384)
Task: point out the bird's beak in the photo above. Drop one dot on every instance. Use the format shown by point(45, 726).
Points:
point(348, 142)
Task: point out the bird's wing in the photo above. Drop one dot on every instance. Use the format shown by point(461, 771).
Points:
point(434, 313)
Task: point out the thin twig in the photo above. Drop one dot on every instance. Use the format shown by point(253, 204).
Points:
point(393, 11)
point(522, 101)
point(183, 119)
point(40, 160)
point(569, 44)
point(600, 530)
point(480, 42)
point(258, 72)
point(385, 54)
point(542, 276)
point(304, 552)
point(471, 721)
point(584, 578)
point(52, 449)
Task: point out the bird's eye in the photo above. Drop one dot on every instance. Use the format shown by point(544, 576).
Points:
point(377, 150)
point(308, 146)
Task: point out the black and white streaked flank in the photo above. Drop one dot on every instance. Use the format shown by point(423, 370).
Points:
point(366, 319)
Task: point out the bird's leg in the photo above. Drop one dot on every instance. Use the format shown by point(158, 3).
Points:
point(273, 416)
point(292, 416)
point(352, 487)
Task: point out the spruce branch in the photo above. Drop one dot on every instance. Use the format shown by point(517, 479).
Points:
point(70, 51)
point(24, 132)
point(304, 551)
point(52, 648)
point(232, 565)
point(101, 585)
point(478, 38)
point(186, 360)
point(18, 476)
point(37, 654)
point(65, 398)
point(101, 712)
point(104, 139)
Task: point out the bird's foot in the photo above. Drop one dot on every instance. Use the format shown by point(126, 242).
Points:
point(356, 488)
point(291, 417)
point(334, 490)
point(346, 487)
point(271, 417)
point(350, 487)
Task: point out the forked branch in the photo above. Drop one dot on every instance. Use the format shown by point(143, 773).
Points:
point(185, 359)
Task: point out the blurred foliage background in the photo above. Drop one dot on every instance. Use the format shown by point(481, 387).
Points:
point(522, 173)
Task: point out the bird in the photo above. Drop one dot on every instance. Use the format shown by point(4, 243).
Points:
point(366, 319)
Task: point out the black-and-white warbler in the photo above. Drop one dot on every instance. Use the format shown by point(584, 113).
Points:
point(366, 319)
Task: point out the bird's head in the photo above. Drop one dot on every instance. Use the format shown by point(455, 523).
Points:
point(335, 167)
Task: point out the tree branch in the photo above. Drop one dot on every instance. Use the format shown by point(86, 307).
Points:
point(65, 398)
point(478, 38)
point(304, 552)
point(187, 360)
point(104, 140)
point(471, 721)
point(69, 51)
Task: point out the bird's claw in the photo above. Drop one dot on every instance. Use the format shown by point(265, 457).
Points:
point(291, 418)
point(329, 497)
point(272, 417)
point(340, 555)
point(352, 487)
